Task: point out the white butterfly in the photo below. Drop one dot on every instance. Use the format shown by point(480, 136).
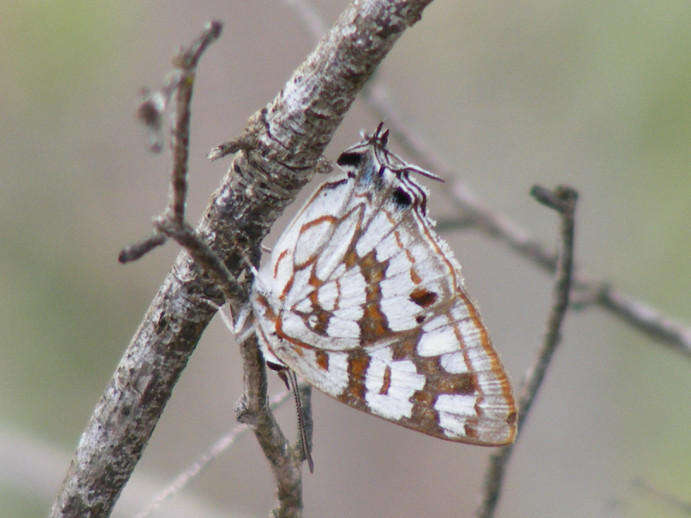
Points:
point(365, 302)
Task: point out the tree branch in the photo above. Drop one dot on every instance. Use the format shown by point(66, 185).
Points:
point(283, 144)
point(563, 200)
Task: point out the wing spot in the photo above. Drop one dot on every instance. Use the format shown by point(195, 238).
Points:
point(322, 359)
point(402, 198)
point(386, 384)
point(358, 363)
point(373, 325)
point(470, 431)
point(415, 277)
point(420, 319)
point(423, 298)
point(350, 258)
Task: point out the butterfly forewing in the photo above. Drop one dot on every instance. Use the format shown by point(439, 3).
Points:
point(364, 301)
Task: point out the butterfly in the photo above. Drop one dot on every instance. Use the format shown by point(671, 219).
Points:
point(365, 302)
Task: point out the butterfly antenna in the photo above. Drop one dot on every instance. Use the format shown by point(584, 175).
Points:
point(306, 450)
point(423, 172)
point(384, 138)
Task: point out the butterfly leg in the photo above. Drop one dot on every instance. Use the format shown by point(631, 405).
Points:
point(288, 377)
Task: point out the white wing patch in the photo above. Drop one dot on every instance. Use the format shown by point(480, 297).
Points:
point(439, 341)
point(341, 240)
point(333, 379)
point(328, 295)
point(454, 363)
point(343, 327)
point(400, 313)
point(301, 286)
point(353, 289)
point(390, 384)
point(379, 226)
point(455, 412)
point(313, 236)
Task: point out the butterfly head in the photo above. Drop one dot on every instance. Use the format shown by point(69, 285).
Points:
point(372, 153)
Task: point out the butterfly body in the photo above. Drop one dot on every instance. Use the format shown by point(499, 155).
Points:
point(365, 302)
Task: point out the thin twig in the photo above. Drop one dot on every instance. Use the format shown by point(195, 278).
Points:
point(563, 200)
point(141, 248)
point(672, 500)
point(191, 472)
point(644, 317)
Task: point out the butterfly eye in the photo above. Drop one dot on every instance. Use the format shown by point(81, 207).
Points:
point(401, 198)
point(349, 159)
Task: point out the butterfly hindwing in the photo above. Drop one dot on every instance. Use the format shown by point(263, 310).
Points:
point(364, 301)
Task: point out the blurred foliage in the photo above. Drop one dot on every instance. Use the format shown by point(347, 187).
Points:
point(56, 312)
point(20, 504)
point(54, 52)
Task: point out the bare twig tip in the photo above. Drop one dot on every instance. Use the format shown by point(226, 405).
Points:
point(219, 151)
point(244, 142)
point(563, 198)
point(137, 250)
point(187, 58)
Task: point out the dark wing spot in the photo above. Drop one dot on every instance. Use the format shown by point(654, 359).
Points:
point(350, 159)
point(423, 298)
point(401, 198)
point(420, 319)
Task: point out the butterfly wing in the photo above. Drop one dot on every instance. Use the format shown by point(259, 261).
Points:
point(364, 301)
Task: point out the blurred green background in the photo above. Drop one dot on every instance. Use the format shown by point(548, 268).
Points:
point(595, 95)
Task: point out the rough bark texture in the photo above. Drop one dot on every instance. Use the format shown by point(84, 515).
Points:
point(279, 150)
